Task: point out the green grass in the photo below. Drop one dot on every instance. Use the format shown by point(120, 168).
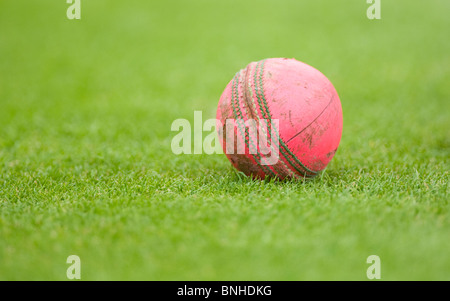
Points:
point(86, 166)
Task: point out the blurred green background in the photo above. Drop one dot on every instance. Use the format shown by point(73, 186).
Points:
point(86, 166)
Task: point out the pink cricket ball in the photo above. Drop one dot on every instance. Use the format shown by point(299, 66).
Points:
point(301, 109)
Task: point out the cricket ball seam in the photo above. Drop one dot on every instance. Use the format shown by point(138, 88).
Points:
point(251, 105)
point(287, 153)
point(252, 113)
point(236, 108)
point(265, 116)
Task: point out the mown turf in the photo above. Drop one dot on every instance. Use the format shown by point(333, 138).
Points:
point(86, 166)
